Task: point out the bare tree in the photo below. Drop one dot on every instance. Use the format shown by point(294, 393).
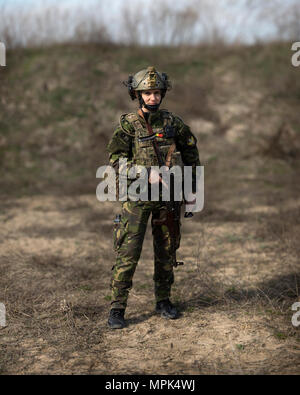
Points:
point(283, 17)
point(159, 22)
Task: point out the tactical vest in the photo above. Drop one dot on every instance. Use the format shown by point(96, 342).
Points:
point(143, 151)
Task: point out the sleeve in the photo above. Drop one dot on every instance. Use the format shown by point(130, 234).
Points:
point(186, 143)
point(120, 147)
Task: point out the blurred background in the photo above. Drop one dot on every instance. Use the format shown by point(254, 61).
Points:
point(34, 22)
point(61, 97)
point(62, 93)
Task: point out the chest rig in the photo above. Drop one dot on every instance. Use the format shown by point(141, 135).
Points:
point(143, 151)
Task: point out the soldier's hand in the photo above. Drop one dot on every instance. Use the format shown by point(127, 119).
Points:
point(155, 178)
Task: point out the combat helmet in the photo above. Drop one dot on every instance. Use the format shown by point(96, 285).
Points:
point(145, 80)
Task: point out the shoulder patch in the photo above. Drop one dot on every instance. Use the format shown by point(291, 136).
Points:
point(191, 141)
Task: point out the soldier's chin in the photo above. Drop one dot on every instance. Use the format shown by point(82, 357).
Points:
point(152, 107)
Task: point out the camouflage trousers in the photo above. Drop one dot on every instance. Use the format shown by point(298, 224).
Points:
point(129, 235)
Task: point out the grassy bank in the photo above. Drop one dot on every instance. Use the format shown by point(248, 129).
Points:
point(59, 105)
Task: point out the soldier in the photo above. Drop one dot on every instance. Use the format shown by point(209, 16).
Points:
point(149, 87)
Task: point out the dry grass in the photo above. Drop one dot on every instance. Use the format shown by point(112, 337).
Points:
point(241, 272)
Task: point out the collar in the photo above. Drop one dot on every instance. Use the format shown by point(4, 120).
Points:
point(153, 116)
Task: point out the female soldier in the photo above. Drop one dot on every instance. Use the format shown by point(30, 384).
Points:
point(174, 145)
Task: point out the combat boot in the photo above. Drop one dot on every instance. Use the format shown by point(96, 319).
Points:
point(166, 309)
point(116, 319)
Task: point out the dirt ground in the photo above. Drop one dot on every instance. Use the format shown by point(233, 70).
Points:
point(234, 293)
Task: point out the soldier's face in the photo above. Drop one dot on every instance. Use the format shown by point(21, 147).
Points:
point(151, 97)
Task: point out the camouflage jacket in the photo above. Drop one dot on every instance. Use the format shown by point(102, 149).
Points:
point(125, 144)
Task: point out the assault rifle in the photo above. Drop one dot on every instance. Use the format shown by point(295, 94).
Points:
point(172, 219)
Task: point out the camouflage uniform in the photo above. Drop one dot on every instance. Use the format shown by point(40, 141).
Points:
point(129, 233)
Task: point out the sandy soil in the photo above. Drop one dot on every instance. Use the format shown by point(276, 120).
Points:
point(233, 296)
point(234, 293)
